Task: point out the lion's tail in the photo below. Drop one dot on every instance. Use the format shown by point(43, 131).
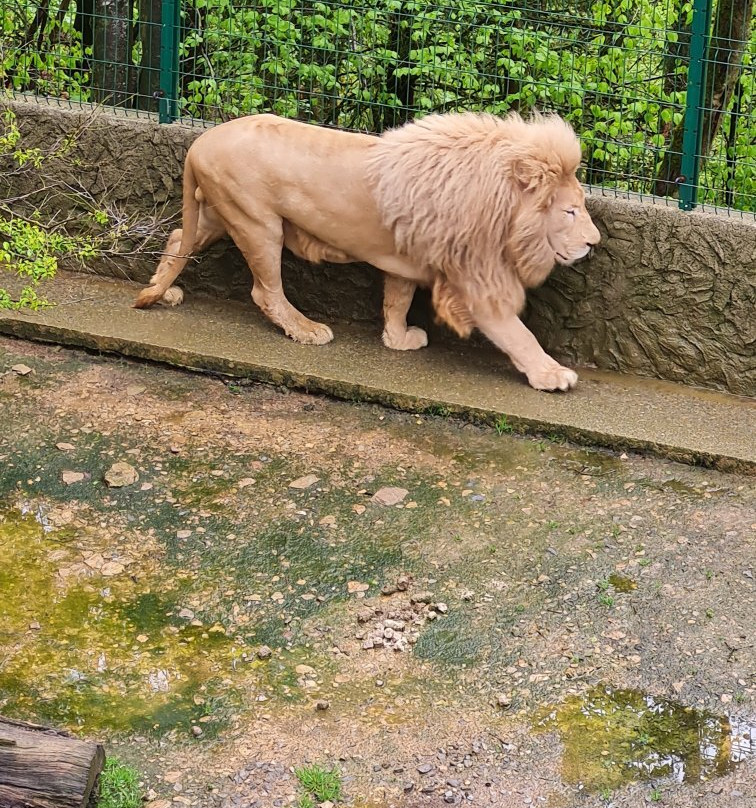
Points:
point(174, 260)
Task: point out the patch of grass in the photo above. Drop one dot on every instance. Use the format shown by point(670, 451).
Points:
point(320, 784)
point(502, 426)
point(437, 409)
point(119, 786)
point(655, 795)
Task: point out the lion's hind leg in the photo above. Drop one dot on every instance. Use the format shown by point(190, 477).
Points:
point(261, 245)
point(210, 229)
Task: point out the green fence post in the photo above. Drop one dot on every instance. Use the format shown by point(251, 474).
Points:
point(169, 59)
point(694, 103)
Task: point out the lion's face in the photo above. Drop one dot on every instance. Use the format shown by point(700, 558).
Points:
point(570, 230)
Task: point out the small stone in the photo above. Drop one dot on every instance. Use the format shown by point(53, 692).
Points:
point(246, 481)
point(388, 589)
point(397, 625)
point(328, 521)
point(111, 568)
point(186, 614)
point(304, 670)
point(402, 583)
point(120, 475)
point(322, 704)
point(422, 597)
point(503, 700)
point(142, 638)
point(407, 787)
point(389, 495)
point(442, 608)
point(425, 768)
point(304, 482)
point(196, 731)
point(134, 390)
point(34, 626)
point(264, 652)
point(65, 447)
point(468, 595)
point(183, 534)
point(70, 477)
point(21, 370)
point(354, 587)
point(359, 509)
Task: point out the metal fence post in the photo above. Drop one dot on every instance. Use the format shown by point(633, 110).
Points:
point(169, 59)
point(694, 103)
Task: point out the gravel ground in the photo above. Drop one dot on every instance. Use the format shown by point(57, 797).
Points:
point(225, 582)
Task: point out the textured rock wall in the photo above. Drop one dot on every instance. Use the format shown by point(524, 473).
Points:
point(667, 294)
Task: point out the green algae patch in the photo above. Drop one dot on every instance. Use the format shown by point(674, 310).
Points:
point(613, 737)
point(91, 651)
point(622, 583)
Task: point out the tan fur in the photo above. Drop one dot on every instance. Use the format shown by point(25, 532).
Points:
point(478, 208)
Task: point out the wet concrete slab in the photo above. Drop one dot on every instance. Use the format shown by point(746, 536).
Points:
point(684, 423)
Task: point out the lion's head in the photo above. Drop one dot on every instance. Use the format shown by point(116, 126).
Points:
point(489, 205)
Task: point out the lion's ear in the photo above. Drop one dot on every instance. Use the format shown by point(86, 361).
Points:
point(533, 172)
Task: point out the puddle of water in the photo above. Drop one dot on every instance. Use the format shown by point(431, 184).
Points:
point(612, 737)
point(93, 652)
point(621, 583)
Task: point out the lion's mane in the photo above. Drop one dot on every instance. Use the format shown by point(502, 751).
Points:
point(461, 194)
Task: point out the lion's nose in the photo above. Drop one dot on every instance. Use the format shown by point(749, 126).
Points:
point(595, 238)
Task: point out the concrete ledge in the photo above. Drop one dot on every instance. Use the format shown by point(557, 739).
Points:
point(622, 412)
point(668, 294)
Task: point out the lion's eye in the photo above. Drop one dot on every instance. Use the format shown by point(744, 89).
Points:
point(571, 212)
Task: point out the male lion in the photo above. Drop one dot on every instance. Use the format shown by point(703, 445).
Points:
point(475, 207)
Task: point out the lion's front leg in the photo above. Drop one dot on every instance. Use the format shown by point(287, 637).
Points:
point(397, 298)
point(509, 334)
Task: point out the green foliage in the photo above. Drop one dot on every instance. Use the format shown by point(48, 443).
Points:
point(617, 69)
point(29, 248)
point(119, 786)
point(320, 784)
point(503, 426)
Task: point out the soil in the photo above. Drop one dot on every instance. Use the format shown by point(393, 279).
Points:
point(526, 623)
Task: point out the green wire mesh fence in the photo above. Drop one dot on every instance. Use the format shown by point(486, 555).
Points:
point(662, 92)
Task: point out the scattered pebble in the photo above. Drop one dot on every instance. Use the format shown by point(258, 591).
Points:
point(304, 482)
point(389, 495)
point(120, 475)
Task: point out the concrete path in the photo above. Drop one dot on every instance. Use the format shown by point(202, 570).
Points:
point(620, 411)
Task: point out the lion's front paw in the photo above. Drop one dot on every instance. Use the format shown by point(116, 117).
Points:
point(412, 339)
point(555, 377)
point(312, 334)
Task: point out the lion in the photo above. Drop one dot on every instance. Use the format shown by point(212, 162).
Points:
point(477, 208)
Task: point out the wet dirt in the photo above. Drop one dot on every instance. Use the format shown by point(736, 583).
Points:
point(532, 624)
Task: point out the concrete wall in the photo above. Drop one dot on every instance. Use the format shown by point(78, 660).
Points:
point(667, 294)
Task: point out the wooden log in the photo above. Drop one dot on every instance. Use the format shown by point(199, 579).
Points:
point(44, 768)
